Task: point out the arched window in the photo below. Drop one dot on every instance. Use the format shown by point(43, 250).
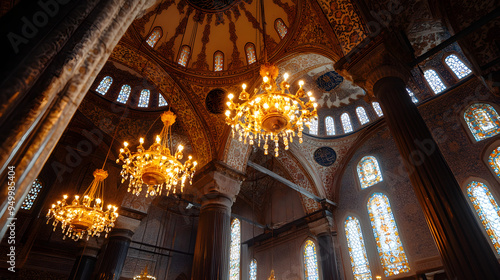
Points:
point(234, 262)
point(483, 121)
point(184, 54)
point(487, 209)
point(144, 98)
point(218, 61)
point(154, 36)
point(161, 101)
point(362, 117)
point(457, 66)
point(310, 261)
point(346, 122)
point(412, 95)
point(124, 94)
point(280, 27)
point(32, 195)
point(104, 85)
point(494, 160)
point(250, 51)
point(434, 81)
point(368, 172)
point(385, 230)
point(330, 126)
point(313, 127)
point(378, 110)
point(357, 251)
point(253, 270)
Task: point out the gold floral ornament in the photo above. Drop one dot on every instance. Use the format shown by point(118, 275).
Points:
point(275, 113)
point(85, 215)
point(156, 167)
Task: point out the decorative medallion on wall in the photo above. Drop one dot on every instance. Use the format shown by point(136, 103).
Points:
point(215, 101)
point(325, 156)
point(329, 81)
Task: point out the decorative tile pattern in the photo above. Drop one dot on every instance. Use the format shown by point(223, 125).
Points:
point(369, 172)
point(330, 126)
point(434, 81)
point(32, 195)
point(253, 270)
point(154, 37)
point(357, 252)
point(144, 98)
point(234, 262)
point(325, 156)
point(457, 66)
point(124, 94)
point(310, 261)
point(483, 121)
point(346, 122)
point(104, 85)
point(378, 110)
point(389, 246)
point(362, 117)
point(329, 81)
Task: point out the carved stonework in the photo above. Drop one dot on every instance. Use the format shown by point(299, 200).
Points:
point(218, 178)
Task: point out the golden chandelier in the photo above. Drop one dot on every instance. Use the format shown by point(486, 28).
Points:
point(156, 167)
point(144, 275)
point(85, 217)
point(272, 114)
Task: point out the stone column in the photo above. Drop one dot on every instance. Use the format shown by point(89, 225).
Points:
point(327, 258)
point(217, 186)
point(115, 252)
point(85, 262)
point(464, 249)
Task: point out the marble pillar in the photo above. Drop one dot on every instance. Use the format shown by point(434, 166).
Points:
point(326, 257)
point(85, 262)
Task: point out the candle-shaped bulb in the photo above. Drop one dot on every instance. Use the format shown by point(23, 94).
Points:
point(285, 77)
point(141, 140)
point(301, 83)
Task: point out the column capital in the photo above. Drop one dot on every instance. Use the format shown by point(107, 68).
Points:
point(322, 226)
point(386, 55)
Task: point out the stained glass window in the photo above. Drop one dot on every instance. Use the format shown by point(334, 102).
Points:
point(280, 27)
point(154, 36)
point(310, 261)
point(161, 101)
point(457, 66)
point(483, 121)
point(487, 209)
point(362, 117)
point(124, 94)
point(144, 98)
point(434, 81)
point(330, 126)
point(412, 95)
point(234, 262)
point(313, 127)
point(32, 195)
point(218, 61)
point(104, 85)
point(184, 55)
point(250, 51)
point(378, 110)
point(357, 251)
point(346, 122)
point(253, 270)
point(389, 246)
point(368, 172)
point(494, 160)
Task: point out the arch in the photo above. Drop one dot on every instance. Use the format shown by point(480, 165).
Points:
point(434, 81)
point(362, 116)
point(218, 61)
point(252, 273)
point(482, 120)
point(124, 94)
point(389, 246)
point(368, 172)
point(329, 126)
point(412, 96)
point(154, 36)
point(184, 55)
point(250, 53)
point(104, 85)
point(144, 98)
point(235, 250)
point(357, 251)
point(313, 127)
point(487, 209)
point(310, 255)
point(280, 27)
point(456, 66)
point(346, 122)
point(377, 109)
point(161, 101)
point(30, 199)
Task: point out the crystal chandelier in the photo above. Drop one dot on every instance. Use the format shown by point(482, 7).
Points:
point(144, 275)
point(156, 167)
point(85, 216)
point(275, 113)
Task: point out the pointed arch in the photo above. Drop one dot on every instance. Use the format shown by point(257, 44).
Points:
point(154, 36)
point(457, 66)
point(144, 98)
point(30, 199)
point(280, 27)
point(482, 120)
point(329, 126)
point(368, 172)
point(494, 161)
point(377, 109)
point(253, 270)
point(218, 61)
point(250, 53)
point(389, 246)
point(104, 85)
point(124, 94)
point(357, 251)
point(311, 270)
point(346, 122)
point(362, 116)
point(235, 250)
point(184, 55)
point(434, 81)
